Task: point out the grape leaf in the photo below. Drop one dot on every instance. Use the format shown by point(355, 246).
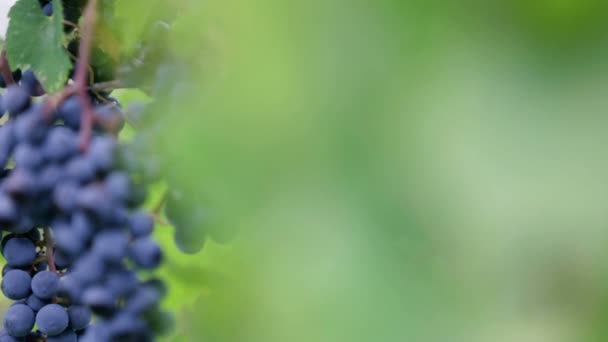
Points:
point(137, 16)
point(36, 41)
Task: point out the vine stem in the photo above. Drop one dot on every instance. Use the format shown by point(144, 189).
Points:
point(156, 211)
point(80, 77)
point(50, 253)
point(5, 69)
point(107, 85)
point(71, 24)
point(39, 259)
point(158, 219)
point(161, 202)
point(55, 101)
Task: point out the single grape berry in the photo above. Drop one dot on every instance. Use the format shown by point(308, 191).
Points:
point(67, 242)
point(101, 152)
point(31, 126)
point(16, 284)
point(145, 253)
point(111, 245)
point(80, 316)
point(19, 320)
point(8, 211)
point(15, 99)
point(61, 143)
point(94, 201)
point(35, 303)
point(157, 284)
point(100, 300)
point(126, 327)
point(122, 283)
point(141, 224)
point(7, 268)
point(49, 177)
point(82, 227)
point(52, 319)
point(69, 111)
point(71, 288)
point(19, 252)
point(45, 284)
point(21, 184)
point(66, 336)
point(5, 337)
point(142, 300)
point(88, 269)
point(28, 80)
point(28, 156)
point(110, 116)
point(80, 169)
point(48, 11)
point(64, 195)
point(62, 260)
point(117, 185)
point(95, 333)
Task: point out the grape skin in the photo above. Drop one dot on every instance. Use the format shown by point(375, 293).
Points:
point(66, 336)
point(145, 253)
point(19, 252)
point(48, 11)
point(52, 319)
point(142, 224)
point(15, 100)
point(19, 320)
point(80, 316)
point(45, 284)
point(16, 284)
point(35, 303)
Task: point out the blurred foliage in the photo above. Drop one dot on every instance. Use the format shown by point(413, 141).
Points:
point(424, 171)
point(396, 170)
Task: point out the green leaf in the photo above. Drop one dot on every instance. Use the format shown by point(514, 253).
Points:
point(35, 41)
point(137, 16)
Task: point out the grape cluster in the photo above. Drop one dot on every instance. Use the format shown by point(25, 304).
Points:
point(75, 236)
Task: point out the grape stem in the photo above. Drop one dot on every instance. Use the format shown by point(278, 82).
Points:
point(161, 203)
point(80, 77)
point(40, 259)
point(71, 24)
point(107, 85)
point(5, 69)
point(156, 211)
point(158, 219)
point(50, 253)
point(53, 102)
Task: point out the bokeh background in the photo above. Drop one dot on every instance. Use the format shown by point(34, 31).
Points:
point(4, 7)
point(396, 170)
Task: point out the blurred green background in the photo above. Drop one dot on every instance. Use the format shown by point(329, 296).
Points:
point(397, 170)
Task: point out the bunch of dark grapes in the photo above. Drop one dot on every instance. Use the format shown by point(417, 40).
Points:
point(74, 235)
